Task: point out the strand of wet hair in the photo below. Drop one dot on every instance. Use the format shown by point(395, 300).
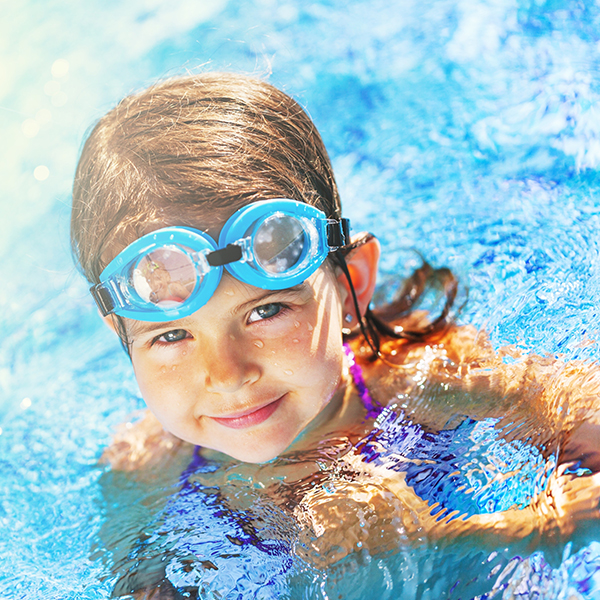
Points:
point(372, 326)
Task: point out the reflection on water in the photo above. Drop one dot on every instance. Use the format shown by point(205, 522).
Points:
point(466, 129)
point(165, 276)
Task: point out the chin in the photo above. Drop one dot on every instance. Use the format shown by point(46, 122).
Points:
point(256, 458)
point(256, 455)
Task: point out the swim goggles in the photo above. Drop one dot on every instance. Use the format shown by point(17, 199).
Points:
point(170, 273)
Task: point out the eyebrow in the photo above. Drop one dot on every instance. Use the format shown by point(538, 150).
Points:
point(145, 327)
point(267, 294)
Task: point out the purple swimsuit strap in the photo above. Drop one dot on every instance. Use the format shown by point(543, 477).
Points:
point(373, 409)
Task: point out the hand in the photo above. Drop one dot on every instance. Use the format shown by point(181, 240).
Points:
point(567, 500)
point(139, 444)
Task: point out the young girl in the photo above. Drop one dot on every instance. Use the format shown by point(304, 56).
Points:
point(207, 218)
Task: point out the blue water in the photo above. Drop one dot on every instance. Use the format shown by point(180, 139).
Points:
point(467, 129)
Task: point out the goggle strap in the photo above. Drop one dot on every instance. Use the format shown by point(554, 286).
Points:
point(224, 256)
point(338, 233)
point(103, 299)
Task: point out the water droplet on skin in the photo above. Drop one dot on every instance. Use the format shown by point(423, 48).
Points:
point(289, 372)
point(295, 341)
point(258, 343)
point(174, 368)
point(309, 326)
point(228, 292)
point(163, 369)
point(296, 323)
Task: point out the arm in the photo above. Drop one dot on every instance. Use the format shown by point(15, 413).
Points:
point(372, 508)
point(555, 404)
point(377, 509)
point(555, 513)
point(146, 465)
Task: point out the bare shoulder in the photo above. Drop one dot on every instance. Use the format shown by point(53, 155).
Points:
point(458, 371)
point(448, 358)
point(141, 442)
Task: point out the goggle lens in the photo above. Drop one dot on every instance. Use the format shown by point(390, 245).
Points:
point(279, 244)
point(165, 277)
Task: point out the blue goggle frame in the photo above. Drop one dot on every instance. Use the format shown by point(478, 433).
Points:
point(170, 273)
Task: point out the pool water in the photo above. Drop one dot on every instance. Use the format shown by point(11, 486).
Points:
point(467, 129)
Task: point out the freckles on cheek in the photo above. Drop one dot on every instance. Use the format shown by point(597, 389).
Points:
point(155, 379)
point(299, 340)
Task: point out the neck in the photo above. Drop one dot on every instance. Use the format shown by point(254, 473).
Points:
point(344, 416)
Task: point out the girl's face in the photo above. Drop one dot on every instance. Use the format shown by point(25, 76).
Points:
point(248, 371)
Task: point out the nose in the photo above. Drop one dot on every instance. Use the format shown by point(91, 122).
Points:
point(228, 366)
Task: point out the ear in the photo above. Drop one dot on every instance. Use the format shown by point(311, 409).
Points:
point(109, 321)
point(362, 266)
point(112, 322)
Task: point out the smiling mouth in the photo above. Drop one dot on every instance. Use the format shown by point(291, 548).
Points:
point(250, 418)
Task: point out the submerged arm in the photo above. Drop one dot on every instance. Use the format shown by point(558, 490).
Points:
point(375, 510)
point(545, 401)
point(555, 405)
point(554, 513)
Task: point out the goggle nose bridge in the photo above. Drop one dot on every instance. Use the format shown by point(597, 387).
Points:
point(224, 256)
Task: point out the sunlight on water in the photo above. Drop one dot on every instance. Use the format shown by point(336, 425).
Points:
point(466, 130)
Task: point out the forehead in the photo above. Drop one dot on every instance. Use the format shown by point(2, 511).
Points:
point(209, 219)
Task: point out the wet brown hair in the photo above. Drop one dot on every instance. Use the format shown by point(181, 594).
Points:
point(191, 151)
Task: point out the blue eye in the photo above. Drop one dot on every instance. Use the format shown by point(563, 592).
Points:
point(170, 337)
point(266, 311)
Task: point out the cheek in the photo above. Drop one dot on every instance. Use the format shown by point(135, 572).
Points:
point(309, 346)
point(160, 383)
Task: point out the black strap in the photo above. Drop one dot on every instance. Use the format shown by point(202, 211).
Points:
point(218, 258)
point(338, 233)
point(103, 299)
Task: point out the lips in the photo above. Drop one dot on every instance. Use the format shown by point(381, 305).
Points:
point(251, 417)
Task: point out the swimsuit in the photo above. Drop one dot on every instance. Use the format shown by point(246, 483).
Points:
point(466, 470)
point(217, 549)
